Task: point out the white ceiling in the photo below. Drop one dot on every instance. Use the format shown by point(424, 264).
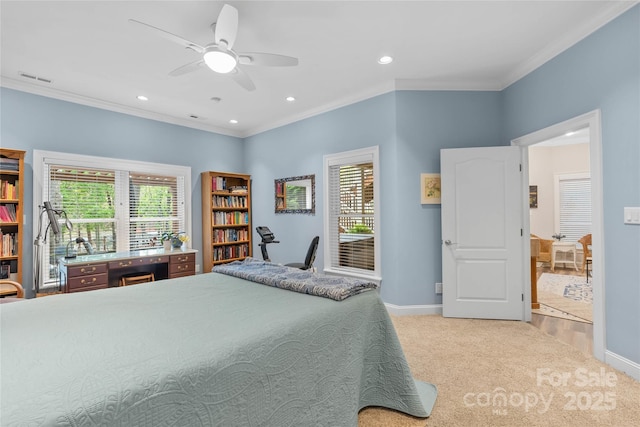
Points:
point(94, 56)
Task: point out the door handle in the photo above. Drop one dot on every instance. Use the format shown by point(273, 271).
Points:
point(449, 242)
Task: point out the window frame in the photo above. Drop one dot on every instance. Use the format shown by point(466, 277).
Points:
point(362, 155)
point(122, 167)
point(558, 180)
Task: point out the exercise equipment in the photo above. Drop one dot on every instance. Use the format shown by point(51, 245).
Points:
point(268, 237)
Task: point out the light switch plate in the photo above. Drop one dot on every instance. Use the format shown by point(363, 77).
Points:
point(632, 215)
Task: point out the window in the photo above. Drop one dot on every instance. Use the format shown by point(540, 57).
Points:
point(573, 201)
point(116, 205)
point(352, 226)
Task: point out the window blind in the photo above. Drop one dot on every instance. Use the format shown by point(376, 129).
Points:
point(574, 207)
point(155, 206)
point(87, 195)
point(352, 219)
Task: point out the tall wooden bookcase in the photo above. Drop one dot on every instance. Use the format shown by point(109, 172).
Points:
point(226, 218)
point(11, 212)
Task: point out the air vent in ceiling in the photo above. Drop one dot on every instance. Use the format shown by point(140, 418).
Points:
point(33, 77)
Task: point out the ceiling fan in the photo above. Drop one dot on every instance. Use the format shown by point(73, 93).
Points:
point(219, 55)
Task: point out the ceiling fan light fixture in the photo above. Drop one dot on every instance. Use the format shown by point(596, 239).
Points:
point(220, 60)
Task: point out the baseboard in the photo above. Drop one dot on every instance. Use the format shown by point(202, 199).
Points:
point(412, 310)
point(623, 364)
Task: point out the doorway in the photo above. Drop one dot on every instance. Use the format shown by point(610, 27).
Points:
point(590, 123)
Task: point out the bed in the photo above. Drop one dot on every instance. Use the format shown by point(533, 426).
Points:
point(205, 350)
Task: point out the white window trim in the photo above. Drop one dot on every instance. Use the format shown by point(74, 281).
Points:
point(359, 155)
point(40, 158)
point(556, 194)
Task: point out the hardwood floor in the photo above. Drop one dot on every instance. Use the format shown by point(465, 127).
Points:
point(578, 334)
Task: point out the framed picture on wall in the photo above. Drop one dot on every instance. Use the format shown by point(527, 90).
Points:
point(533, 196)
point(430, 188)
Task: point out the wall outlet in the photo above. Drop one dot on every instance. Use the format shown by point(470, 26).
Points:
point(197, 268)
point(438, 288)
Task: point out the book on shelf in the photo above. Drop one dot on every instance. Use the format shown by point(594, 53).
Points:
point(8, 213)
point(9, 190)
point(8, 244)
point(9, 164)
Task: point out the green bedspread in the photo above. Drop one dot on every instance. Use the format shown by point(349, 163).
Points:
point(205, 350)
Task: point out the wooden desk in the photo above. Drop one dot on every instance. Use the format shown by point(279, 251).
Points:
point(91, 272)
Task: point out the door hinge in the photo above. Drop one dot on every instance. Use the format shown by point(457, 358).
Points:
point(520, 167)
point(521, 232)
point(522, 297)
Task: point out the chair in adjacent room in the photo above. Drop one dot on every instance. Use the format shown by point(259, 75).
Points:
point(545, 249)
point(311, 256)
point(135, 278)
point(586, 252)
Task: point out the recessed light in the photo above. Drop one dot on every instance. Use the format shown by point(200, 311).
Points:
point(290, 98)
point(233, 121)
point(570, 133)
point(384, 60)
point(142, 98)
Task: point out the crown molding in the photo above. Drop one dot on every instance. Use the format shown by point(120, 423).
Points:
point(109, 106)
point(334, 105)
point(453, 85)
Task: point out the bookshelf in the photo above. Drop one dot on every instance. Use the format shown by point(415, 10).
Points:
point(11, 213)
point(226, 218)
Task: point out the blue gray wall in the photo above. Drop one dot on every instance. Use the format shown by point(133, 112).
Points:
point(410, 127)
point(602, 71)
point(31, 122)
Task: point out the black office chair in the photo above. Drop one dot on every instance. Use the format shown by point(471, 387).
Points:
point(311, 256)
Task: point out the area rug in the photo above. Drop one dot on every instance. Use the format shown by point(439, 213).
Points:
point(568, 294)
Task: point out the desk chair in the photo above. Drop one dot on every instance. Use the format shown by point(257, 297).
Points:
point(135, 278)
point(9, 287)
point(311, 256)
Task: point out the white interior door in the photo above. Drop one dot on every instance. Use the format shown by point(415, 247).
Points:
point(482, 233)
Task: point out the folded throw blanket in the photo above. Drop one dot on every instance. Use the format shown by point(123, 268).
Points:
point(293, 279)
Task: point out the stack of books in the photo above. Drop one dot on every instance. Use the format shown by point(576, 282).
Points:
point(7, 164)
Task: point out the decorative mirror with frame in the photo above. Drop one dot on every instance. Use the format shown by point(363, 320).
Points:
point(296, 194)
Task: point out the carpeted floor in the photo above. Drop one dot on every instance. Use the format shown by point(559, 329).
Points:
point(561, 294)
point(507, 373)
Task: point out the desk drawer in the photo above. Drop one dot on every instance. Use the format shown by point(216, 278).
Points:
point(88, 281)
point(187, 268)
point(177, 259)
point(83, 270)
point(133, 262)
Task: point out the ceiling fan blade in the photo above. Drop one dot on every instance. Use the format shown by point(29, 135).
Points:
point(227, 26)
point(167, 35)
point(188, 68)
point(242, 79)
point(267, 59)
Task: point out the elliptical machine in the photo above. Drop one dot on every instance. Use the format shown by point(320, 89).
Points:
point(267, 237)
